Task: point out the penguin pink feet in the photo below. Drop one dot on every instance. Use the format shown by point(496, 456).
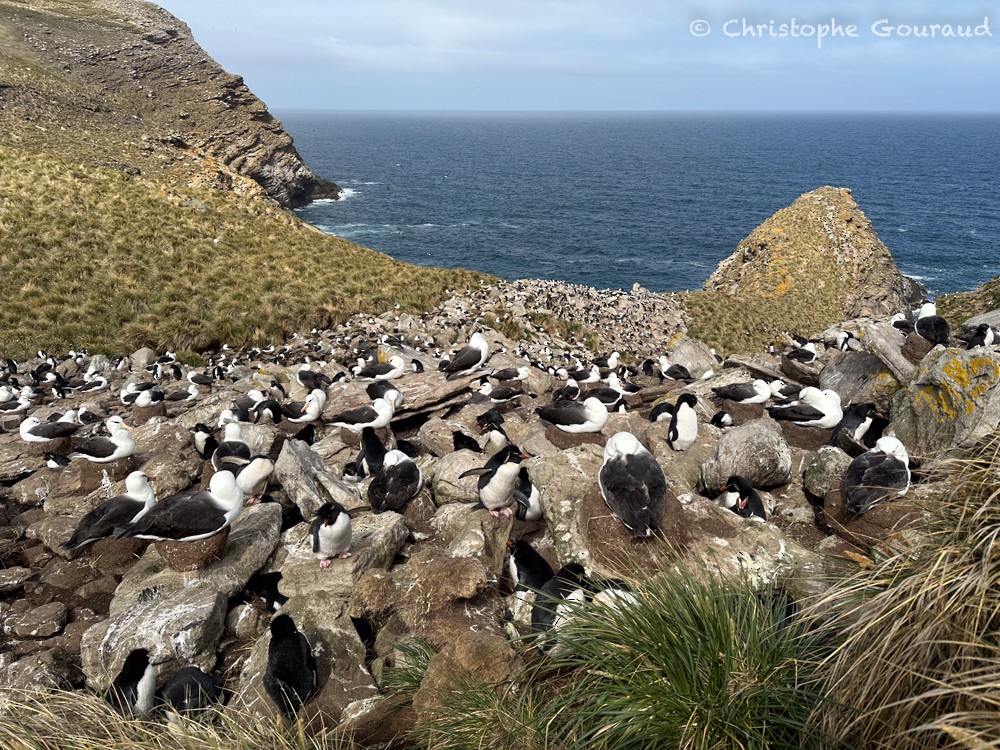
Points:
point(343, 555)
point(324, 564)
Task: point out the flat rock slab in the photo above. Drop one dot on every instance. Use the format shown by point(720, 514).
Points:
point(253, 538)
point(376, 541)
point(13, 579)
point(40, 622)
point(309, 482)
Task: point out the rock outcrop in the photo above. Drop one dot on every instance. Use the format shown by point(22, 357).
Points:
point(127, 79)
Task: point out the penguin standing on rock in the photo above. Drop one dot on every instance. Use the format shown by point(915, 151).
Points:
point(331, 533)
point(498, 481)
point(683, 423)
point(290, 675)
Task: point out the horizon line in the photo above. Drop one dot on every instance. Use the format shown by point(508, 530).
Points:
point(942, 113)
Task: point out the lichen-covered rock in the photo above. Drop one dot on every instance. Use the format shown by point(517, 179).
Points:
point(179, 629)
point(446, 485)
point(952, 400)
point(756, 451)
point(469, 533)
point(824, 250)
point(825, 471)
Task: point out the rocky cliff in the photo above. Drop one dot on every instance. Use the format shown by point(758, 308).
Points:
point(122, 83)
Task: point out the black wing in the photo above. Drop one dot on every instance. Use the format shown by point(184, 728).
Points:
point(467, 358)
point(180, 516)
point(101, 522)
point(98, 447)
point(361, 415)
point(795, 413)
point(872, 478)
point(634, 488)
point(563, 412)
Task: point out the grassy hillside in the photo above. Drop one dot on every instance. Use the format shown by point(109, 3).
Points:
point(93, 257)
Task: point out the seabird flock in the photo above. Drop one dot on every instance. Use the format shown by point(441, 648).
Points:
point(630, 481)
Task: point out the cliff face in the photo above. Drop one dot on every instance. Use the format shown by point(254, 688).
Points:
point(122, 83)
point(822, 247)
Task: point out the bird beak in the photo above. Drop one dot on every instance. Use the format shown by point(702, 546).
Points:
point(130, 428)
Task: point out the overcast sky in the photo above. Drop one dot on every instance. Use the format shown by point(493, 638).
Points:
point(605, 54)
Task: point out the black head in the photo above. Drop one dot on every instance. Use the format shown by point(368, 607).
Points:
point(736, 483)
point(283, 626)
point(202, 428)
point(135, 663)
point(983, 328)
point(509, 454)
point(328, 512)
point(687, 398)
point(574, 574)
point(492, 418)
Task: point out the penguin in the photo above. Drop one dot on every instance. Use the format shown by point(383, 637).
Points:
point(290, 675)
point(117, 512)
point(742, 499)
point(683, 429)
point(190, 691)
point(331, 534)
point(396, 484)
point(497, 481)
point(982, 337)
point(528, 571)
point(722, 420)
point(881, 474)
point(662, 412)
point(550, 610)
point(575, 417)
point(370, 457)
point(529, 501)
point(857, 420)
point(806, 354)
point(461, 441)
point(633, 485)
point(133, 692)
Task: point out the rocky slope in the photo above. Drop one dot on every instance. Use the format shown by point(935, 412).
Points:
point(122, 83)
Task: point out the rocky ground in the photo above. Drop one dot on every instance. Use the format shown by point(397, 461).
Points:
point(436, 571)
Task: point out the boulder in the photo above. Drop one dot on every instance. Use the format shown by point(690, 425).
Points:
point(476, 534)
point(143, 358)
point(804, 438)
point(436, 597)
point(885, 522)
point(952, 400)
point(802, 373)
point(859, 377)
point(253, 537)
point(179, 629)
point(885, 342)
point(696, 356)
point(13, 579)
point(756, 451)
point(376, 540)
point(481, 656)
point(309, 482)
point(825, 471)
point(40, 622)
point(16, 461)
point(50, 670)
point(447, 487)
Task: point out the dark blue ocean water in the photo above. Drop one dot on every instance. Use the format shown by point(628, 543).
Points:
point(608, 199)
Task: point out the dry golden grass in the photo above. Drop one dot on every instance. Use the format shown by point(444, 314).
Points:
point(917, 658)
point(963, 305)
point(94, 258)
point(83, 721)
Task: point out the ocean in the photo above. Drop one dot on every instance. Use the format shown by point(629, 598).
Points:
point(610, 199)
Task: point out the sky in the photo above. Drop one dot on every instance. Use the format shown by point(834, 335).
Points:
point(606, 54)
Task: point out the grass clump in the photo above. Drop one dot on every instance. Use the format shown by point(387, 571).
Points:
point(83, 721)
point(404, 677)
point(695, 663)
point(112, 263)
point(917, 657)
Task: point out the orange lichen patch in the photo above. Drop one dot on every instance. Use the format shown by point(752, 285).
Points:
point(784, 286)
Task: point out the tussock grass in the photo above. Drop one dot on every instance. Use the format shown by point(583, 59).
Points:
point(93, 258)
point(83, 721)
point(412, 657)
point(917, 657)
point(696, 663)
point(963, 305)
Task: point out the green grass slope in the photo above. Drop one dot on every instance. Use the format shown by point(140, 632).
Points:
point(93, 258)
